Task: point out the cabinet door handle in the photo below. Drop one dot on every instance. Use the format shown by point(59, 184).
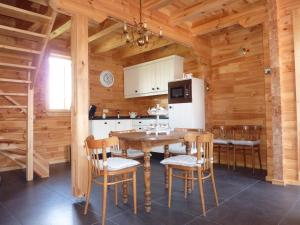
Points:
point(153, 89)
point(136, 91)
point(119, 122)
point(140, 128)
point(105, 122)
point(157, 88)
point(140, 122)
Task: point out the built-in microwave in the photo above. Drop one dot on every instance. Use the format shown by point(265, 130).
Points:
point(180, 91)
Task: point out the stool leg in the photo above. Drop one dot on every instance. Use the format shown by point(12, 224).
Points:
point(228, 158)
point(134, 192)
point(88, 194)
point(234, 157)
point(170, 186)
point(259, 156)
point(214, 187)
point(253, 159)
point(116, 190)
point(244, 154)
point(104, 200)
point(185, 184)
point(201, 192)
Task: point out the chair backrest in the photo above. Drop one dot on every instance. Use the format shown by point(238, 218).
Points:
point(94, 148)
point(222, 132)
point(205, 150)
point(247, 132)
point(190, 139)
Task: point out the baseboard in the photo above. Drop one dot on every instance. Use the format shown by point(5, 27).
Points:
point(278, 182)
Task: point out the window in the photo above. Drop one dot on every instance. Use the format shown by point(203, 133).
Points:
point(59, 83)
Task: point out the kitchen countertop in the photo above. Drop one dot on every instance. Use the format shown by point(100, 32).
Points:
point(126, 118)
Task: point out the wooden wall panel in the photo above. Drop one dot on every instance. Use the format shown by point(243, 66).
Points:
point(238, 82)
point(288, 95)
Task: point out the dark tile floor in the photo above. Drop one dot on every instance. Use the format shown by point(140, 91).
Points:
point(244, 199)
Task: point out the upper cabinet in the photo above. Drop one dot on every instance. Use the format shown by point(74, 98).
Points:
point(151, 78)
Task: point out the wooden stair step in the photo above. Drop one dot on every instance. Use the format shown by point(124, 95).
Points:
point(13, 106)
point(18, 13)
point(20, 161)
point(17, 66)
point(7, 80)
point(40, 165)
point(10, 141)
point(16, 151)
point(12, 94)
point(19, 33)
point(19, 49)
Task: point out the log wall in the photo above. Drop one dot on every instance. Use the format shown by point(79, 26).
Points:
point(238, 81)
point(290, 150)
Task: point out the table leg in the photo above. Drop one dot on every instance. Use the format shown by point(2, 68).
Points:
point(125, 184)
point(147, 180)
point(166, 155)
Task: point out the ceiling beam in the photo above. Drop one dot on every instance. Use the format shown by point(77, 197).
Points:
point(155, 4)
point(129, 51)
point(200, 8)
point(115, 41)
point(237, 18)
point(60, 30)
point(40, 2)
point(125, 11)
point(105, 31)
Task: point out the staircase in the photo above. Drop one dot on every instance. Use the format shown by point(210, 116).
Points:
point(26, 39)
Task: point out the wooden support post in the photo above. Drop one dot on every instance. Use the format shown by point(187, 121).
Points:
point(277, 142)
point(296, 29)
point(80, 103)
point(30, 105)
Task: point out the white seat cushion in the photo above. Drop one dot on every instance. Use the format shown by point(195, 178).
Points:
point(118, 163)
point(182, 160)
point(221, 141)
point(131, 153)
point(180, 149)
point(245, 142)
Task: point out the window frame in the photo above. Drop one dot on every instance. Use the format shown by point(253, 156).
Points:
point(56, 112)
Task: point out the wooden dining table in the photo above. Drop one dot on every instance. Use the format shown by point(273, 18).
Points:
point(146, 142)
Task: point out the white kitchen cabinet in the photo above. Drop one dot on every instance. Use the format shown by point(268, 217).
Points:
point(146, 79)
point(151, 78)
point(164, 71)
point(101, 128)
point(122, 125)
point(131, 82)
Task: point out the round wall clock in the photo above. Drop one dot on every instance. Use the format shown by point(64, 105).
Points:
point(106, 78)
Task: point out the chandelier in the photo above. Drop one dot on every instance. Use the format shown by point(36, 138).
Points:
point(138, 33)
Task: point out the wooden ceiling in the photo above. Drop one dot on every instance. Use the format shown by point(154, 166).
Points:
point(200, 17)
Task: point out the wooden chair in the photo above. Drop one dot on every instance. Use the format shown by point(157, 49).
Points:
point(222, 141)
point(115, 167)
point(130, 153)
point(202, 164)
point(183, 148)
point(247, 138)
